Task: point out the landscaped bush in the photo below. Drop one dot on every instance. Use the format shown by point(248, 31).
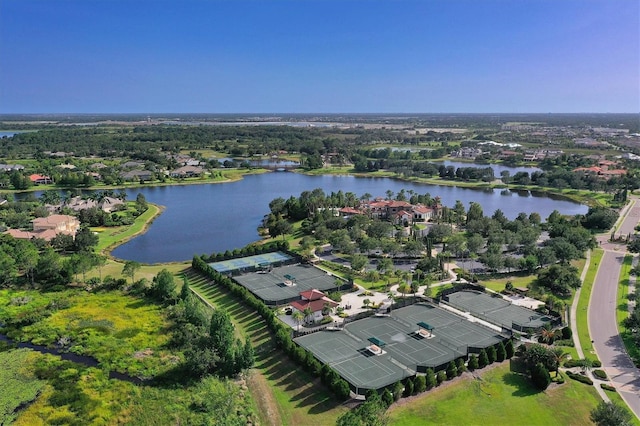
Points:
point(563, 342)
point(600, 374)
point(580, 378)
point(567, 333)
point(607, 387)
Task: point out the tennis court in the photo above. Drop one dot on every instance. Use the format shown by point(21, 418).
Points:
point(283, 284)
point(251, 262)
point(497, 311)
point(403, 351)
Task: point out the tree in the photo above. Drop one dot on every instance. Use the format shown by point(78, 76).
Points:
point(491, 354)
point(473, 363)
point(461, 368)
point(26, 257)
point(85, 239)
point(420, 384)
point(430, 378)
point(358, 262)
point(483, 359)
point(610, 414)
point(130, 268)
point(475, 212)
point(501, 353)
point(452, 370)
point(560, 279)
point(540, 376)
point(164, 286)
point(298, 317)
point(308, 314)
point(509, 349)
point(398, 388)
point(221, 340)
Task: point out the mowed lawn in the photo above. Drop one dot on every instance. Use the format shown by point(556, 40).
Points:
point(283, 391)
point(498, 397)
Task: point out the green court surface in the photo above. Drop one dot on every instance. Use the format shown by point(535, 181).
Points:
point(283, 284)
point(496, 310)
point(403, 350)
point(250, 262)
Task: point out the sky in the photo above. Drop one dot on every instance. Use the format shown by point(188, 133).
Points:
point(319, 56)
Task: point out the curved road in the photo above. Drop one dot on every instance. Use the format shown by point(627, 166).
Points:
point(603, 326)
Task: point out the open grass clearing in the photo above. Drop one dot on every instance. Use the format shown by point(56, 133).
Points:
point(296, 397)
point(498, 397)
point(498, 284)
point(582, 317)
point(19, 386)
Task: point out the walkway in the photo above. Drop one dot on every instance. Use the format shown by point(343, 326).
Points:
point(603, 326)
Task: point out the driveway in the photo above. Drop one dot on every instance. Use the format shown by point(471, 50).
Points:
point(603, 326)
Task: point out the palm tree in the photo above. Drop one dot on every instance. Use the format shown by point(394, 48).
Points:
point(307, 312)
point(586, 364)
point(298, 317)
point(547, 334)
point(558, 355)
point(366, 303)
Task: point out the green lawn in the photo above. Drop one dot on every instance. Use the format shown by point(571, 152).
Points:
point(112, 236)
point(582, 318)
point(499, 283)
point(623, 308)
point(498, 397)
point(290, 396)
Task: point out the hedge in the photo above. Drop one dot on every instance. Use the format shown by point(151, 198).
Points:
point(607, 387)
point(580, 378)
point(600, 374)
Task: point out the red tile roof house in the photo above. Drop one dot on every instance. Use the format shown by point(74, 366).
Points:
point(422, 213)
point(314, 300)
point(40, 179)
point(48, 227)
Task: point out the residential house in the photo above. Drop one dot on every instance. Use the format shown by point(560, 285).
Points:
point(48, 227)
point(40, 179)
point(10, 167)
point(142, 175)
point(187, 171)
point(422, 213)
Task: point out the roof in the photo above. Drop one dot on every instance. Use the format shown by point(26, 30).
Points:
point(314, 305)
point(422, 209)
point(35, 177)
point(376, 341)
point(54, 219)
point(425, 325)
point(349, 210)
point(312, 294)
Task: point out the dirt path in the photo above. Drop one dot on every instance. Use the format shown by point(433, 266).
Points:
point(263, 396)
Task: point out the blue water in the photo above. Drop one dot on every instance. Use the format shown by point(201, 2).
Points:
point(204, 219)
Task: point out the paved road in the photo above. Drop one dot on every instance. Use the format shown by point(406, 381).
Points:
point(603, 326)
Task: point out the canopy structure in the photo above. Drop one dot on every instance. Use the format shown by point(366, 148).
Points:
point(425, 325)
point(376, 341)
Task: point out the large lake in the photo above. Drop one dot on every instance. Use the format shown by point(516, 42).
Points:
point(209, 218)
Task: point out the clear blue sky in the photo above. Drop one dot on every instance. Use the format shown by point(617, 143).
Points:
point(319, 56)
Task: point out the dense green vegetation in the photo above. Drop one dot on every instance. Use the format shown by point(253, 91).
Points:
point(19, 386)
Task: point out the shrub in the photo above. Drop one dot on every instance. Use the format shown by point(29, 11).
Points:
point(600, 374)
point(473, 363)
point(483, 359)
point(580, 378)
point(540, 376)
point(452, 371)
point(501, 352)
point(387, 398)
point(420, 384)
point(398, 388)
point(491, 354)
point(441, 377)
point(430, 378)
point(567, 333)
point(607, 387)
point(408, 388)
point(460, 366)
point(596, 363)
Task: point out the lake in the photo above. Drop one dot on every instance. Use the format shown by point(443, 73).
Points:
point(210, 218)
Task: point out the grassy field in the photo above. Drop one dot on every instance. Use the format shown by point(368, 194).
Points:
point(284, 393)
point(582, 318)
point(498, 397)
point(499, 283)
point(109, 238)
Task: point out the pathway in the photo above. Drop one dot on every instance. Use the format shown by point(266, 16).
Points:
point(603, 326)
